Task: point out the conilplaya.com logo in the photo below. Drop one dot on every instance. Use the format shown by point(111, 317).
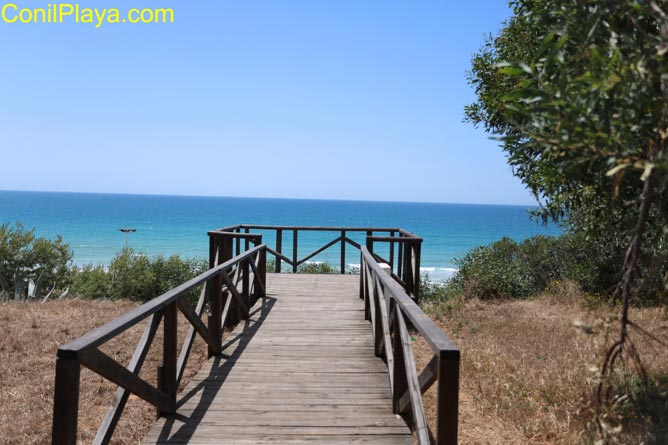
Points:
point(16, 14)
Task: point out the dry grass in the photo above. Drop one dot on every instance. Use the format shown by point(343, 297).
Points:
point(527, 373)
point(31, 335)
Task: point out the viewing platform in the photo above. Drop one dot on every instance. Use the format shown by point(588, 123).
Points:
point(307, 359)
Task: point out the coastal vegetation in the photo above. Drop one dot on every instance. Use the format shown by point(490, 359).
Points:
point(312, 267)
point(507, 269)
point(576, 93)
point(47, 266)
point(530, 368)
point(30, 264)
point(31, 336)
point(134, 276)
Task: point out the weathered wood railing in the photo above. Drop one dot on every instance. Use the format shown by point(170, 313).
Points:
point(403, 254)
point(220, 294)
point(390, 308)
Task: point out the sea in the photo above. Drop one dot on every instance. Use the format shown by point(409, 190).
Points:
point(178, 225)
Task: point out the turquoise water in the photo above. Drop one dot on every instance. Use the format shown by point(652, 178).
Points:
point(178, 224)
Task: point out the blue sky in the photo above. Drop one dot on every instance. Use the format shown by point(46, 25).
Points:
point(303, 99)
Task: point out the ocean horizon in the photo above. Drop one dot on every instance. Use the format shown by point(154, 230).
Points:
point(178, 225)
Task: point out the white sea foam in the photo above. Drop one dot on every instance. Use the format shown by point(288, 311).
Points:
point(435, 273)
point(438, 273)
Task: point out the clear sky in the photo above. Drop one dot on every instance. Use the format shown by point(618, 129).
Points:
point(340, 99)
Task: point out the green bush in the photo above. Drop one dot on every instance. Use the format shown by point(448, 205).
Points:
point(134, 276)
point(172, 271)
point(507, 269)
point(313, 268)
point(92, 282)
point(433, 291)
point(26, 257)
point(496, 271)
point(317, 268)
point(594, 264)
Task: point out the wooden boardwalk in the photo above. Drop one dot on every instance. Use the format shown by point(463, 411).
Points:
point(301, 370)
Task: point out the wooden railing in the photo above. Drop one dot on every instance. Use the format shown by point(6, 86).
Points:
point(390, 309)
point(403, 253)
point(220, 294)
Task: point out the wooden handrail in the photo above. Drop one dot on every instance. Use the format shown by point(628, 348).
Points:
point(124, 322)
point(317, 228)
point(403, 245)
point(220, 281)
point(388, 306)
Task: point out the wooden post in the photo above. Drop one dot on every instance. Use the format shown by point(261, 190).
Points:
point(417, 247)
point(66, 402)
point(378, 326)
point(168, 372)
point(369, 241)
point(367, 296)
point(400, 258)
point(408, 268)
point(343, 251)
point(294, 251)
point(279, 249)
point(391, 258)
point(379, 334)
point(245, 283)
point(213, 248)
point(400, 384)
point(362, 276)
point(262, 274)
point(447, 397)
point(226, 247)
point(216, 311)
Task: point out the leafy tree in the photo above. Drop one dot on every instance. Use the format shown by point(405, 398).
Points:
point(577, 90)
point(24, 256)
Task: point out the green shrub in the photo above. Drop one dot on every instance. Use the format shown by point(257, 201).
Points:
point(518, 270)
point(271, 266)
point(134, 276)
point(496, 271)
point(439, 297)
point(26, 257)
point(91, 282)
point(172, 271)
point(317, 268)
point(594, 264)
point(434, 290)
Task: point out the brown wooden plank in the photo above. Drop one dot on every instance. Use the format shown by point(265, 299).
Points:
point(419, 421)
point(100, 335)
point(111, 370)
point(106, 429)
point(301, 369)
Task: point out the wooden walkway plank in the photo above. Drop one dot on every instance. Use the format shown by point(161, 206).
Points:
point(301, 370)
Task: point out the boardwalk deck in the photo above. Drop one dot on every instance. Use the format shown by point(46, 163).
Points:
point(301, 370)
